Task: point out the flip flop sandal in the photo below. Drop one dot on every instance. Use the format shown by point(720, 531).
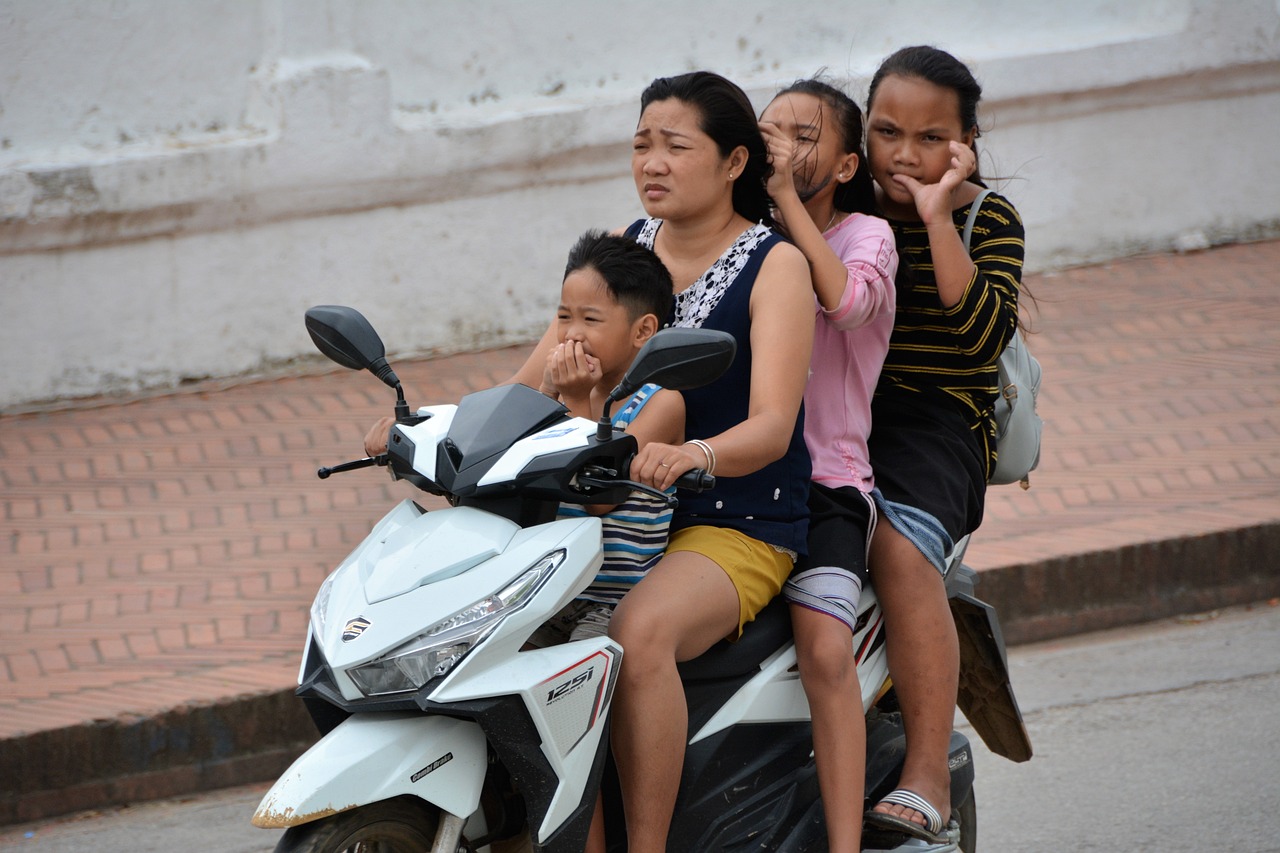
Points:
point(933, 828)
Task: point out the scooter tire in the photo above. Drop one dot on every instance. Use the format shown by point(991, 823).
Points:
point(967, 815)
point(399, 825)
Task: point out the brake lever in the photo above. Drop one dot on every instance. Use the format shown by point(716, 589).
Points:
point(368, 462)
point(591, 482)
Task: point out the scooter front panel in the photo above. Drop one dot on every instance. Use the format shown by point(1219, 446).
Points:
point(374, 757)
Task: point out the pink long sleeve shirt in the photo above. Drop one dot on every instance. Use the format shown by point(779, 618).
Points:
point(849, 347)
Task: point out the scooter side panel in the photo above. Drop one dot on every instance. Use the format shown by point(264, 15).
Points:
point(427, 435)
point(374, 757)
point(567, 690)
point(775, 695)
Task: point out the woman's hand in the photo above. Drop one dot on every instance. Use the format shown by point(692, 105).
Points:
point(660, 465)
point(572, 373)
point(375, 441)
point(935, 202)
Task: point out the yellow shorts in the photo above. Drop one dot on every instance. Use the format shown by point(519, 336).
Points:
point(757, 569)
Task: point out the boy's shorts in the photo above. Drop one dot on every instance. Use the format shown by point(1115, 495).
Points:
point(831, 577)
point(757, 569)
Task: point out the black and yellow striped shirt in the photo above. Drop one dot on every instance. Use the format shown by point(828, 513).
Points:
point(950, 353)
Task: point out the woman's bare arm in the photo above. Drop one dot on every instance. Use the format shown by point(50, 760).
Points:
point(781, 343)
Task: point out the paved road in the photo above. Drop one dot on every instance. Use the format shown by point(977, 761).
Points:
point(1162, 737)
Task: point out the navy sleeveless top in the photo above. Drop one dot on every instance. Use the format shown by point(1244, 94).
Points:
point(770, 505)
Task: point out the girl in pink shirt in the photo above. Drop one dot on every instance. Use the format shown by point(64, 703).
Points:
point(825, 202)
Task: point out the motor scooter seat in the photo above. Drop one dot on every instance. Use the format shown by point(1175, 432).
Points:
point(760, 638)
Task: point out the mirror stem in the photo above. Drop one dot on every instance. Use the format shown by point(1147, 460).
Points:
point(402, 407)
point(604, 429)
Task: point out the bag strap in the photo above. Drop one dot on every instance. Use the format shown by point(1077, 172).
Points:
point(973, 217)
point(1007, 387)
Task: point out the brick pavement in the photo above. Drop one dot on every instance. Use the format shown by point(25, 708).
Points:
point(160, 554)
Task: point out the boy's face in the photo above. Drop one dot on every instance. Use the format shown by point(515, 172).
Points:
point(589, 315)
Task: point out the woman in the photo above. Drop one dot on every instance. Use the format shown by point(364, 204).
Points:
point(700, 168)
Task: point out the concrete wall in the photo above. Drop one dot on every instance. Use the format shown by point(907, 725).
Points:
point(179, 181)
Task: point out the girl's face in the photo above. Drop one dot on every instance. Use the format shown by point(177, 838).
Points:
point(909, 125)
point(818, 159)
point(677, 167)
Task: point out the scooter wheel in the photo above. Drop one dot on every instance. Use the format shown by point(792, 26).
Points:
point(399, 825)
point(967, 815)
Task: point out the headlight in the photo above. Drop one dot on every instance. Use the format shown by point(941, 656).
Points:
point(434, 652)
point(320, 607)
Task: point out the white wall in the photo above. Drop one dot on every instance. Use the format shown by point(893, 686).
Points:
point(179, 181)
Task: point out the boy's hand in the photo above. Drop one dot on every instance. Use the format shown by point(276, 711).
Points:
point(375, 441)
point(573, 373)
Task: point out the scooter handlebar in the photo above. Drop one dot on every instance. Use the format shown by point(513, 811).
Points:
point(696, 480)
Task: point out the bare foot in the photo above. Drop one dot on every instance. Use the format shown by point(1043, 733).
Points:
point(916, 815)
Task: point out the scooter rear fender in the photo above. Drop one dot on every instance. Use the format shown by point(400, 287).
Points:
point(373, 757)
point(985, 690)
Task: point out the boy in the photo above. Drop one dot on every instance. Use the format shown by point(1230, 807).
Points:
point(614, 297)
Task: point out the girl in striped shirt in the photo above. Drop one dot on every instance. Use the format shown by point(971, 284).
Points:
point(933, 434)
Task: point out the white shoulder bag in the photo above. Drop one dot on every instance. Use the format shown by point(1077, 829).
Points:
point(1017, 424)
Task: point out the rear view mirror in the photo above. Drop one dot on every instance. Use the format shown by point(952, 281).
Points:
point(678, 359)
point(346, 337)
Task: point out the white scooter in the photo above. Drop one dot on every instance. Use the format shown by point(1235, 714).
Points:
point(444, 732)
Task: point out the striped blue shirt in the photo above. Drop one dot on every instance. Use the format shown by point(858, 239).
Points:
point(634, 532)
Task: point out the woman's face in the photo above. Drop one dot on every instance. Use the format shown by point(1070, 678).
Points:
point(818, 156)
point(678, 169)
point(909, 125)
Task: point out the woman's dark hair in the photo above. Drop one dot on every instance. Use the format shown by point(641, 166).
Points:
point(941, 69)
point(729, 119)
point(634, 276)
point(858, 195)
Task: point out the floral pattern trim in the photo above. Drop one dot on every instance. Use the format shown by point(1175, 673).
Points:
point(697, 301)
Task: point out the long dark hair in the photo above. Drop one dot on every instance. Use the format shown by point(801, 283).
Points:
point(858, 195)
point(941, 69)
point(730, 121)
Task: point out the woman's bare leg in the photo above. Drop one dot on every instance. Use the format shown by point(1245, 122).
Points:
point(829, 673)
point(679, 610)
point(924, 661)
point(595, 835)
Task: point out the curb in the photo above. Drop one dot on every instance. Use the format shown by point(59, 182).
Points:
point(253, 738)
point(1143, 582)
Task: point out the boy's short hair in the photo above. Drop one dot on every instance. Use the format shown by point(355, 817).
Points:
point(635, 277)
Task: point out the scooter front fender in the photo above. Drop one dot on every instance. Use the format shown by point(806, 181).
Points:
point(372, 757)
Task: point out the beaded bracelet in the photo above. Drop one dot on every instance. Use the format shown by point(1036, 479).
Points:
point(707, 452)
